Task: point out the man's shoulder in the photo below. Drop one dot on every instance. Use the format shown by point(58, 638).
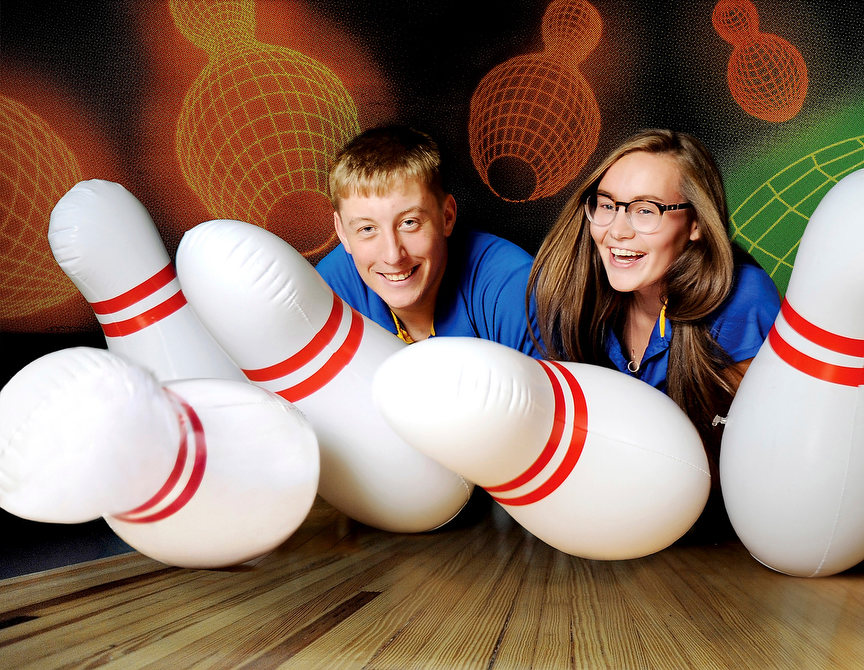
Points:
point(334, 261)
point(338, 270)
point(482, 246)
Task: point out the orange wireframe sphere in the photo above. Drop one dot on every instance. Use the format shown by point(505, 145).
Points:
point(211, 25)
point(571, 29)
point(767, 75)
point(736, 20)
point(533, 112)
point(534, 120)
point(38, 168)
point(259, 127)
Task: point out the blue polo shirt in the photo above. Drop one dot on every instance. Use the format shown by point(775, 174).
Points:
point(739, 325)
point(482, 293)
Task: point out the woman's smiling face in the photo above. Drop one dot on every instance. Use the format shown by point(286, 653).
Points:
point(638, 262)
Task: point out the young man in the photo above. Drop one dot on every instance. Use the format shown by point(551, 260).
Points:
point(402, 263)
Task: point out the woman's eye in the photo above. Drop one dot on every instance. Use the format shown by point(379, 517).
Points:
point(647, 211)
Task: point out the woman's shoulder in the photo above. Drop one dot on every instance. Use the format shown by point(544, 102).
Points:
point(742, 322)
point(752, 284)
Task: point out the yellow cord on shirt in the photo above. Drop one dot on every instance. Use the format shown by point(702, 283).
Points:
point(403, 334)
point(663, 320)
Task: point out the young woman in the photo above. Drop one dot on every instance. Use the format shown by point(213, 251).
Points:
point(639, 274)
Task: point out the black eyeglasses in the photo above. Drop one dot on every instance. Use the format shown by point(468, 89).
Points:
point(643, 215)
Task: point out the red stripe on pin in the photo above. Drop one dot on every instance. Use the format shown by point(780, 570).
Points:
point(188, 419)
point(824, 338)
point(558, 421)
point(834, 374)
point(574, 446)
point(313, 348)
point(148, 318)
point(148, 287)
point(334, 365)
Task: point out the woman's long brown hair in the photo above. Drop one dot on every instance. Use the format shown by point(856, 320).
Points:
point(576, 306)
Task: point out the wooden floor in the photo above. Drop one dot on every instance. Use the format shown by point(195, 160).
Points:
point(480, 594)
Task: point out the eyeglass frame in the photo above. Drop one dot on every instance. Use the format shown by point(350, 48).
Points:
point(618, 203)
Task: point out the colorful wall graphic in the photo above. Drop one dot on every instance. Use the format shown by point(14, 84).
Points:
point(233, 109)
point(259, 126)
point(767, 75)
point(534, 120)
point(39, 168)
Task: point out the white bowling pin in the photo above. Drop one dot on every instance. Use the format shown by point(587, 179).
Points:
point(278, 319)
point(201, 473)
point(591, 461)
point(792, 456)
point(106, 243)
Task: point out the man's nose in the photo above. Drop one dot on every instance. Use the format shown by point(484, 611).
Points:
point(394, 249)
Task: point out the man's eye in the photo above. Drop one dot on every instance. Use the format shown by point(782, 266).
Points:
point(410, 223)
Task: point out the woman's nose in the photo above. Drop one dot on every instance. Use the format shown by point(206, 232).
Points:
point(620, 226)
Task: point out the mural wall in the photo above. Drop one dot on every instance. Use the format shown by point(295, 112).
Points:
point(233, 108)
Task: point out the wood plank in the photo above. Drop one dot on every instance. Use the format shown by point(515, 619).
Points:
point(480, 594)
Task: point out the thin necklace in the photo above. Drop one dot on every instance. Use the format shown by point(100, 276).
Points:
point(633, 364)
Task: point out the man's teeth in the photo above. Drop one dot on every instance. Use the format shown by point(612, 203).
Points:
point(398, 277)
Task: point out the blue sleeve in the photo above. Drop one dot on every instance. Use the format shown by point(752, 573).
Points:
point(748, 313)
point(338, 270)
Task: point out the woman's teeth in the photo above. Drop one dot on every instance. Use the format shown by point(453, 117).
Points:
point(626, 254)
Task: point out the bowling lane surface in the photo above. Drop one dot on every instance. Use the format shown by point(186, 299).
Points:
point(479, 593)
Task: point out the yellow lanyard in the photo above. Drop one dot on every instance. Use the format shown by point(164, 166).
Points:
point(663, 320)
point(403, 334)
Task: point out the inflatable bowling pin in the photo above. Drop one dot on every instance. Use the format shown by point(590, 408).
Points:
point(106, 243)
point(590, 461)
point(201, 473)
point(792, 456)
point(288, 331)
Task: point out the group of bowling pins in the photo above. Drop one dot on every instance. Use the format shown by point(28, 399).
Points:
point(220, 409)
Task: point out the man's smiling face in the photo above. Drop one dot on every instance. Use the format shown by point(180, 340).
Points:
point(399, 243)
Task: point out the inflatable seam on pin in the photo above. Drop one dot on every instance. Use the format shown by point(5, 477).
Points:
point(836, 523)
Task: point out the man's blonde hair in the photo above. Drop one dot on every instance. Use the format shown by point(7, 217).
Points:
point(379, 159)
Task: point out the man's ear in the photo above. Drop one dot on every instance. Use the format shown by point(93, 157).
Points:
point(449, 208)
point(340, 231)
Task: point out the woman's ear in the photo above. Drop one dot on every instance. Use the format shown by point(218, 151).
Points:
point(695, 232)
